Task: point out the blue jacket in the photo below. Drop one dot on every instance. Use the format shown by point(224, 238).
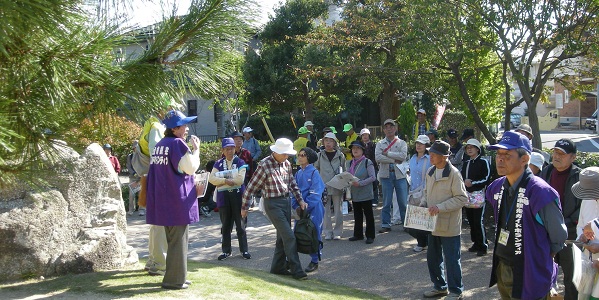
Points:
point(311, 186)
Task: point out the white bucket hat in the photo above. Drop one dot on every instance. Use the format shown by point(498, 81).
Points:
point(331, 135)
point(283, 146)
point(537, 159)
point(474, 142)
point(364, 130)
point(308, 123)
point(423, 139)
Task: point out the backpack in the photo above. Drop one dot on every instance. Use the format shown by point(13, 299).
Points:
point(306, 235)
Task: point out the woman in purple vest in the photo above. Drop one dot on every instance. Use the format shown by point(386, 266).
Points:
point(171, 196)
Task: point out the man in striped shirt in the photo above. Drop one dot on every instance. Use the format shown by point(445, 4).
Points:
point(275, 178)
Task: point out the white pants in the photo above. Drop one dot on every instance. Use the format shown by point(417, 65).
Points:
point(329, 231)
point(157, 247)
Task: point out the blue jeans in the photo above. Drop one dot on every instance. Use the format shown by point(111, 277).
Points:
point(401, 191)
point(448, 247)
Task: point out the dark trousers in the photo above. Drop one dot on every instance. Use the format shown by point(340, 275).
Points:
point(278, 211)
point(363, 209)
point(375, 191)
point(477, 229)
point(421, 236)
point(176, 255)
point(565, 260)
point(230, 213)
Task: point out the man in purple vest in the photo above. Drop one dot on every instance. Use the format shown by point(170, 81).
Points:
point(530, 227)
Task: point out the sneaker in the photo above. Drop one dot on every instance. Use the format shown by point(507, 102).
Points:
point(337, 237)
point(156, 272)
point(175, 287)
point(384, 230)
point(473, 249)
point(300, 276)
point(224, 256)
point(481, 253)
point(369, 241)
point(435, 293)
point(374, 205)
point(354, 238)
point(130, 213)
point(246, 255)
point(328, 237)
point(396, 222)
point(205, 211)
point(418, 248)
point(142, 212)
point(453, 296)
point(311, 267)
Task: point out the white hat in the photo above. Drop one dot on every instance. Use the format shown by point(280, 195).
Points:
point(423, 139)
point(474, 142)
point(247, 129)
point(421, 111)
point(331, 135)
point(364, 130)
point(537, 159)
point(283, 146)
point(308, 123)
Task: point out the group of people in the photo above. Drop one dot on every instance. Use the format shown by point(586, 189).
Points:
point(535, 211)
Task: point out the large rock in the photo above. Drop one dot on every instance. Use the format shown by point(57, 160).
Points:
point(76, 226)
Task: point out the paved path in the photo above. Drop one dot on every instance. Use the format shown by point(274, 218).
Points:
point(388, 267)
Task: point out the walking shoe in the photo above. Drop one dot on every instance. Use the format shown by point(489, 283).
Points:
point(481, 253)
point(311, 267)
point(355, 238)
point(473, 249)
point(453, 296)
point(369, 241)
point(337, 237)
point(205, 211)
point(328, 237)
point(300, 276)
point(384, 230)
point(130, 213)
point(418, 248)
point(284, 273)
point(156, 272)
point(435, 293)
point(374, 204)
point(224, 256)
point(142, 212)
point(246, 255)
point(188, 282)
point(396, 222)
point(175, 287)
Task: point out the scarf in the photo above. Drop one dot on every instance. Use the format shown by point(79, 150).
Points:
point(354, 163)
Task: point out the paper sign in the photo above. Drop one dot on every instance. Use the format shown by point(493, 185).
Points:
point(418, 218)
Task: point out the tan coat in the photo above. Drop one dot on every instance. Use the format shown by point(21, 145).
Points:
point(449, 195)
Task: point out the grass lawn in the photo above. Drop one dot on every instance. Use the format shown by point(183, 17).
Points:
point(210, 281)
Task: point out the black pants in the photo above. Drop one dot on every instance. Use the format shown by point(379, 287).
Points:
point(230, 213)
point(421, 236)
point(363, 209)
point(477, 229)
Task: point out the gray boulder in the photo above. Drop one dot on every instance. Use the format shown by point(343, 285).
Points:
point(78, 225)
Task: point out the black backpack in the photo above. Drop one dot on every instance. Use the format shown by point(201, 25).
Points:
point(306, 235)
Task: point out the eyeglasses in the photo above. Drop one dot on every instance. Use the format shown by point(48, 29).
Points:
point(302, 155)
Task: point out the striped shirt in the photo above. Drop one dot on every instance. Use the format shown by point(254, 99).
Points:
point(274, 179)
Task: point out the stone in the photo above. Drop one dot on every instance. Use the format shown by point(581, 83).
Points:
point(77, 224)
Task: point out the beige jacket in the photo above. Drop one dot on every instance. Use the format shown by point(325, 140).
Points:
point(397, 154)
point(449, 195)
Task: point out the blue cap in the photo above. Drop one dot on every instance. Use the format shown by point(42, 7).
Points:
point(175, 118)
point(512, 140)
point(228, 142)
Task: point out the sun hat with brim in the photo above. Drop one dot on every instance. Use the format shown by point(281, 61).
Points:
point(474, 142)
point(247, 130)
point(537, 159)
point(389, 121)
point(283, 146)
point(524, 127)
point(175, 118)
point(347, 127)
point(228, 142)
point(308, 123)
point(421, 111)
point(587, 187)
point(357, 144)
point(327, 129)
point(364, 130)
point(303, 130)
point(236, 134)
point(331, 135)
point(423, 139)
point(433, 132)
point(333, 130)
point(512, 140)
point(440, 147)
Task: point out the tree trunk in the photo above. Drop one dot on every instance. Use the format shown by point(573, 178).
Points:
point(308, 102)
point(464, 92)
point(386, 101)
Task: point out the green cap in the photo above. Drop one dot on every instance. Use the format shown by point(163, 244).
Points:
point(303, 130)
point(347, 127)
point(333, 129)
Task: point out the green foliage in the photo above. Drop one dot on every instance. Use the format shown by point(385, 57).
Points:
point(453, 119)
point(59, 69)
point(115, 130)
point(406, 120)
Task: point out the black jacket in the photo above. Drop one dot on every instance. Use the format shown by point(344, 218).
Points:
point(571, 204)
point(478, 171)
